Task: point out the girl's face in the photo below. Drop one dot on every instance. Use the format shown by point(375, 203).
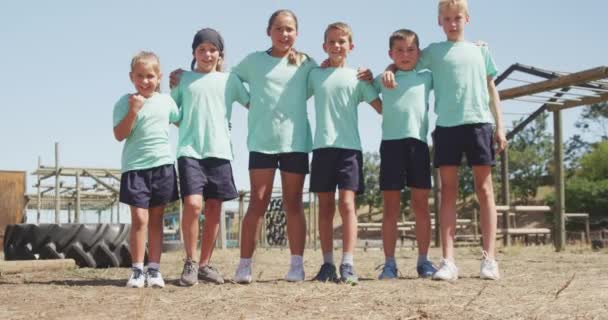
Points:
point(405, 53)
point(145, 77)
point(283, 33)
point(207, 57)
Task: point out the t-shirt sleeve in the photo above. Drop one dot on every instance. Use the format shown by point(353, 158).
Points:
point(176, 93)
point(489, 62)
point(242, 69)
point(121, 108)
point(367, 91)
point(378, 84)
point(310, 88)
point(174, 114)
point(424, 61)
point(237, 89)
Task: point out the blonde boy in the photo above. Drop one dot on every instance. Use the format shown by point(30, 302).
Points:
point(337, 159)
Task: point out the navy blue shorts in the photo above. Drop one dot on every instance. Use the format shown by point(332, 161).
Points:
point(476, 141)
point(333, 167)
point(149, 188)
point(404, 162)
point(210, 177)
point(294, 162)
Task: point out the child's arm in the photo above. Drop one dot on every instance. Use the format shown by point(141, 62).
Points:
point(499, 136)
point(123, 129)
point(174, 77)
point(377, 105)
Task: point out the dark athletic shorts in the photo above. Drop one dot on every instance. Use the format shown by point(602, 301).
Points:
point(476, 141)
point(404, 162)
point(333, 167)
point(149, 188)
point(294, 162)
point(210, 177)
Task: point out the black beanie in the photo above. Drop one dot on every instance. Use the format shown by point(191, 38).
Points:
point(209, 35)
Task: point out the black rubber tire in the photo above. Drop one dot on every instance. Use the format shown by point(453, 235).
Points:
point(90, 245)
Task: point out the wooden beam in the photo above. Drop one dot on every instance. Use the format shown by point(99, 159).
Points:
point(101, 182)
point(556, 83)
point(112, 175)
point(582, 102)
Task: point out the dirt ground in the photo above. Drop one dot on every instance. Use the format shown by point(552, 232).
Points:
point(536, 283)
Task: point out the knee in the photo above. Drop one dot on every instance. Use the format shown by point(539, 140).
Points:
point(193, 205)
point(139, 221)
point(346, 206)
point(484, 192)
point(292, 205)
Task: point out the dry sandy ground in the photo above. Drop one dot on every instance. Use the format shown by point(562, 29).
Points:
point(537, 283)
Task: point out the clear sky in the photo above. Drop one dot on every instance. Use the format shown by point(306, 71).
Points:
point(65, 63)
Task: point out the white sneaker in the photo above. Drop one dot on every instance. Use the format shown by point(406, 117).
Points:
point(243, 274)
point(155, 279)
point(137, 279)
point(295, 273)
point(489, 268)
point(447, 271)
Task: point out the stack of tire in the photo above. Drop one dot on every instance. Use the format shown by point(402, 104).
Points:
point(276, 224)
point(90, 245)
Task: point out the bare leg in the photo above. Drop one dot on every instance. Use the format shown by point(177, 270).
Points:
point(349, 220)
point(447, 211)
point(420, 205)
point(392, 205)
point(485, 195)
point(193, 205)
point(327, 208)
point(213, 212)
point(293, 183)
point(261, 189)
point(137, 237)
point(155, 233)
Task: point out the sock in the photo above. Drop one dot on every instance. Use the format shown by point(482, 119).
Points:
point(154, 265)
point(347, 258)
point(422, 258)
point(328, 257)
point(138, 265)
point(390, 261)
point(245, 262)
point(297, 260)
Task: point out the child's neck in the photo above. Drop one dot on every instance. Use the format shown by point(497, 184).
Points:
point(456, 38)
point(405, 70)
point(200, 70)
point(279, 54)
point(337, 64)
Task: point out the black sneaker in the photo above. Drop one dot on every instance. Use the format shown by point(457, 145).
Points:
point(327, 273)
point(348, 275)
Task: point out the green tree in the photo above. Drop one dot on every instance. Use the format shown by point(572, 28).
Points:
point(372, 196)
point(594, 165)
point(530, 154)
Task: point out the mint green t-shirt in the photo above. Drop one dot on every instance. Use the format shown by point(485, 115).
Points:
point(405, 108)
point(205, 104)
point(147, 146)
point(338, 93)
point(460, 72)
point(277, 120)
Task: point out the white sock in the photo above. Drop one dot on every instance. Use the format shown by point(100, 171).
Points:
point(390, 261)
point(422, 258)
point(297, 260)
point(154, 265)
point(328, 257)
point(347, 258)
point(245, 262)
point(138, 265)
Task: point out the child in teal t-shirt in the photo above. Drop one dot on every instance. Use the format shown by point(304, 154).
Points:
point(148, 180)
point(465, 101)
point(205, 97)
point(337, 159)
point(404, 153)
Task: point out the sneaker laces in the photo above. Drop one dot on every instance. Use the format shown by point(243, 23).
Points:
point(189, 265)
point(383, 265)
point(137, 272)
point(153, 272)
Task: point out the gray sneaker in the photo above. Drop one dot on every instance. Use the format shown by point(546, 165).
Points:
point(348, 275)
point(210, 274)
point(189, 275)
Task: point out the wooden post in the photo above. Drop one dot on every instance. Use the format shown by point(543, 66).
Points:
point(111, 212)
point(222, 230)
point(181, 233)
point(437, 195)
point(506, 196)
point(475, 225)
point(57, 187)
point(69, 212)
point(587, 230)
point(240, 219)
point(560, 203)
point(118, 210)
point(77, 210)
point(38, 194)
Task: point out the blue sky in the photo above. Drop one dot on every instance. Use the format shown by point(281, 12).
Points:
point(65, 63)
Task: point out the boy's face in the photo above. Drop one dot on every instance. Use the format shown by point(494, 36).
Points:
point(145, 78)
point(453, 20)
point(404, 53)
point(207, 57)
point(337, 46)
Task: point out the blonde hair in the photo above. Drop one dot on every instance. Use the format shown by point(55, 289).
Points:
point(403, 34)
point(293, 57)
point(339, 26)
point(147, 57)
point(461, 5)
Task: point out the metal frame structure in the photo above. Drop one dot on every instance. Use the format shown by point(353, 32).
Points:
point(100, 193)
point(554, 92)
